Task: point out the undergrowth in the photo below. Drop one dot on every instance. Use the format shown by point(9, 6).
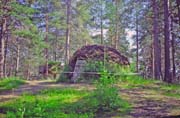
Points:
point(10, 83)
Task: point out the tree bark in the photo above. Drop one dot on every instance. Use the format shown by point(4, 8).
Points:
point(5, 57)
point(167, 74)
point(55, 47)
point(46, 40)
point(17, 59)
point(2, 45)
point(116, 35)
point(67, 46)
point(173, 50)
point(178, 6)
point(156, 46)
point(101, 24)
point(137, 44)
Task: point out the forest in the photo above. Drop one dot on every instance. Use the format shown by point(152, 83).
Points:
point(89, 58)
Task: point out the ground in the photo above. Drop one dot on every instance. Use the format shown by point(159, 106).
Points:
point(148, 101)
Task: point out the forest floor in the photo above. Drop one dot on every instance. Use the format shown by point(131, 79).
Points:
point(148, 101)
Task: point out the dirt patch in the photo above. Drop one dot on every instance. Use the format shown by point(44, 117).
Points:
point(150, 104)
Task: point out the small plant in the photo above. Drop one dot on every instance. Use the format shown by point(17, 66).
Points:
point(63, 76)
point(107, 94)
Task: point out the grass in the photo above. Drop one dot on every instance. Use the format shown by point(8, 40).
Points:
point(69, 102)
point(55, 103)
point(171, 90)
point(49, 103)
point(129, 82)
point(10, 83)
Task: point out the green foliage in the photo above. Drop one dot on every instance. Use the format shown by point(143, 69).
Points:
point(110, 67)
point(99, 66)
point(54, 63)
point(94, 66)
point(10, 83)
point(63, 77)
point(54, 66)
point(107, 94)
point(105, 98)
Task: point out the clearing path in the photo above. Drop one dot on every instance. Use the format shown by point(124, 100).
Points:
point(147, 102)
point(150, 104)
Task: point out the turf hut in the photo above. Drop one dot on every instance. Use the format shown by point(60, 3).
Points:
point(97, 53)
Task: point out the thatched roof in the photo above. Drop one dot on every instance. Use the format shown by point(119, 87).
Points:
point(97, 52)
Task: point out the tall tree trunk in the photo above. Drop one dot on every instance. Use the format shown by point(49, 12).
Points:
point(173, 50)
point(5, 57)
point(101, 23)
point(54, 48)
point(2, 44)
point(156, 46)
point(67, 46)
point(17, 59)
point(167, 76)
point(178, 6)
point(152, 59)
point(116, 35)
point(27, 74)
point(46, 40)
point(137, 44)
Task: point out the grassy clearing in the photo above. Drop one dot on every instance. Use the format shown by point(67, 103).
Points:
point(131, 82)
point(50, 103)
point(10, 83)
point(57, 103)
point(69, 103)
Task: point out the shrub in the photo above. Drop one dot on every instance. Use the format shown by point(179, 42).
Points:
point(107, 93)
point(99, 66)
point(63, 77)
point(104, 99)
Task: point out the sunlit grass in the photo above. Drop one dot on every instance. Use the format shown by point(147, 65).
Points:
point(47, 104)
point(10, 83)
point(134, 81)
point(65, 103)
point(130, 82)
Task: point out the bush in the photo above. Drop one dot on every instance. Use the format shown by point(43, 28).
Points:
point(99, 66)
point(104, 99)
point(63, 76)
point(107, 94)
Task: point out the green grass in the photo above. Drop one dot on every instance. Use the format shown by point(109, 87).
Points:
point(171, 90)
point(10, 83)
point(51, 103)
point(134, 81)
point(55, 103)
point(69, 102)
point(131, 82)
